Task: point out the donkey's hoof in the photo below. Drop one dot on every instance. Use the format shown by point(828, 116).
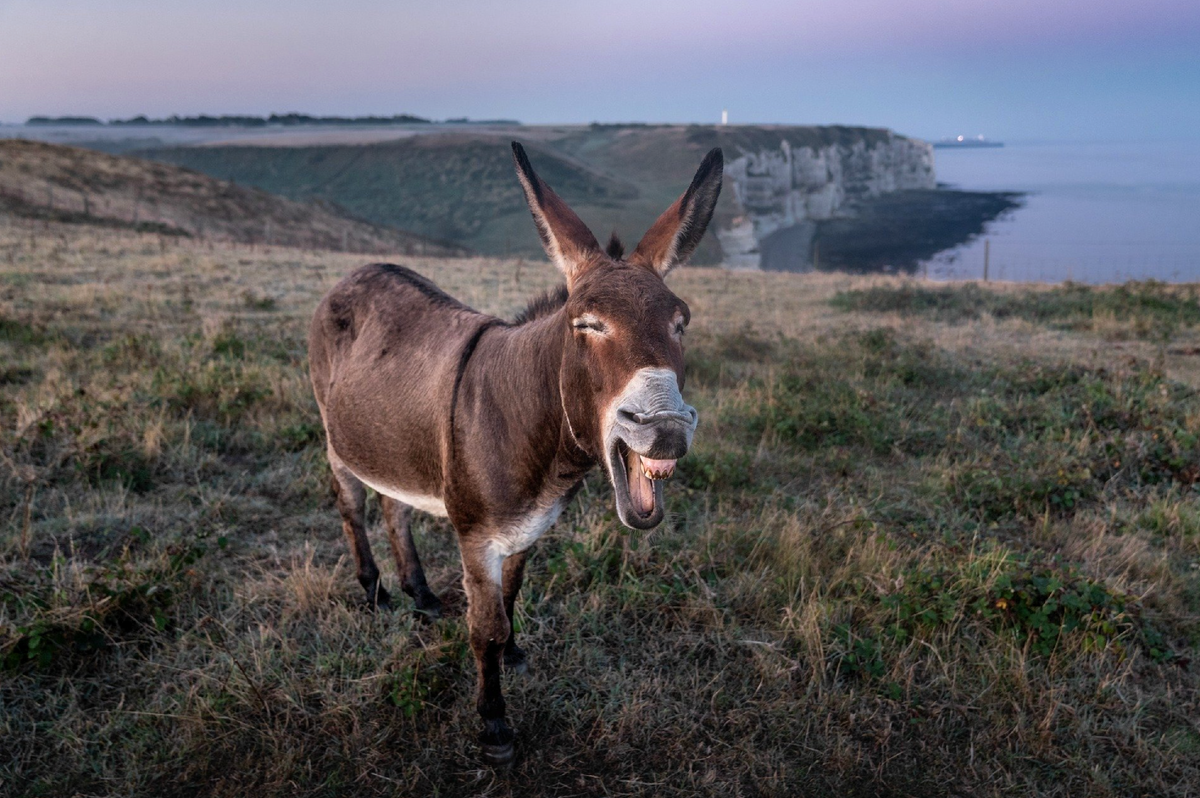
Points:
point(515, 661)
point(498, 755)
point(428, 606)
point(382, 600)
point(427, 616)
point(496, 743)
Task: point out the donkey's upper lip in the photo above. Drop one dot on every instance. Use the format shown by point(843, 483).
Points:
point(682, 416)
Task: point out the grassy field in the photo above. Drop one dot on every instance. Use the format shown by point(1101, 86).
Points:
point(930, 541)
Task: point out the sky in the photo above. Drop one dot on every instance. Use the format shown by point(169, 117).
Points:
point(1101, 70)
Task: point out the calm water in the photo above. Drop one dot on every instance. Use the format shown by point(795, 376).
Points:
point(1094, 212)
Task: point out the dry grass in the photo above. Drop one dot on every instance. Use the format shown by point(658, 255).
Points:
point(906, 557)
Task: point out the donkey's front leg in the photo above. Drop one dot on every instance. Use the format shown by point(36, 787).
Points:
point(489, 630)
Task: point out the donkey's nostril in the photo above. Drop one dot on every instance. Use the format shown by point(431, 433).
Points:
point(685, 416)
point(629, 416)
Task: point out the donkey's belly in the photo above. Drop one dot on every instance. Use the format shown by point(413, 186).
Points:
point(388, 437)
point(428, 504)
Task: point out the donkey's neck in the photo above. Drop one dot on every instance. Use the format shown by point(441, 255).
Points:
point(517, 368)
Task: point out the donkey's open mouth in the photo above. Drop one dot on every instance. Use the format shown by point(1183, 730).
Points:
point(638, 483)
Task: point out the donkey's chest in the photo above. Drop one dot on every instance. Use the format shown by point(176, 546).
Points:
point(520, 534)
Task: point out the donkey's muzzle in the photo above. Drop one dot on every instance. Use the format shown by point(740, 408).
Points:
point(659, 434)
point(651, 429)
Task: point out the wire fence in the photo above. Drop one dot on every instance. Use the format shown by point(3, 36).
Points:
point(1061, 261)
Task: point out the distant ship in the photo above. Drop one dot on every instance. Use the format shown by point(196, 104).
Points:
point(963, 141)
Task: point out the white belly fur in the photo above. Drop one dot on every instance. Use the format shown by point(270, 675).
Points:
point(426, 504)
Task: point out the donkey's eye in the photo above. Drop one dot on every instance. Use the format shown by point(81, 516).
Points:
point(680, 327)
point(589, 323)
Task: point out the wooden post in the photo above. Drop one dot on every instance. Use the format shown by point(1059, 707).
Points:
point(987, 251)
point(816, 256)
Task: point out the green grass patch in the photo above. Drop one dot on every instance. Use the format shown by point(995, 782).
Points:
point(1003, 444)
point(1153, 310)
point(18, 332)
point(60, 625)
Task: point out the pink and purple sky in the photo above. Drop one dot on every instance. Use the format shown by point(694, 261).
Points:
point(1015, 69)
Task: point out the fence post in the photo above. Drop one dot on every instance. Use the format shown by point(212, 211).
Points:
point(987, 247)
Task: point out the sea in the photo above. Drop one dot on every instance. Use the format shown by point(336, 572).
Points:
point(1092, 212)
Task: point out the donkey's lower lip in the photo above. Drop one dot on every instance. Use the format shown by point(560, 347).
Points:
point(639, 494)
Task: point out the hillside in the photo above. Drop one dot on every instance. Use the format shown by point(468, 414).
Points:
point(68, 184)
point(931, 540)
point(458, 186)
point(451, 187)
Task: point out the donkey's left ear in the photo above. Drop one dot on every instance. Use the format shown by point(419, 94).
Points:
point(677, 233)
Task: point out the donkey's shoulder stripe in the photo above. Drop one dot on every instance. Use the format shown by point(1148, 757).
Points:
point(467, 351)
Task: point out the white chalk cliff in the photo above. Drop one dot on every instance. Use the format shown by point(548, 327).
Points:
point(780, 193)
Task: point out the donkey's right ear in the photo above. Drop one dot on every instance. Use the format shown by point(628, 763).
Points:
point(675, 236)
point(568, 241)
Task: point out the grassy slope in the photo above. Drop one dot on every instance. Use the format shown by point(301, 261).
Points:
point(914, 551)
point(454, 187)
point(50, 181)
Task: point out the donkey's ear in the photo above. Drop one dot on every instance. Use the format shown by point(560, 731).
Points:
point(677, 233)
point(568, 241)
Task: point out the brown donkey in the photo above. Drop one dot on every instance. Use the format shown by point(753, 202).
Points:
point(494, 424)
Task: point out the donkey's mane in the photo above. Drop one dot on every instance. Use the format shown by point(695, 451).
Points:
point(615, 249)
point(542, 305)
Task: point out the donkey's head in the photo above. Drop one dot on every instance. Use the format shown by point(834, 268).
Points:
point(622, 369)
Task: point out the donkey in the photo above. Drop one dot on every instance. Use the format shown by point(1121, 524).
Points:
point(494, 424)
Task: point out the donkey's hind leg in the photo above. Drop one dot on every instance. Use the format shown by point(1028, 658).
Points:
point(351, 498)
point(398, 519)
point(515, 660)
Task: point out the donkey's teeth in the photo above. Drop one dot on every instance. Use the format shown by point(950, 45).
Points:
point(657, 469)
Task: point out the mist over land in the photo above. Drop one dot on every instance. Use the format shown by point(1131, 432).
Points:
point(797, 197)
